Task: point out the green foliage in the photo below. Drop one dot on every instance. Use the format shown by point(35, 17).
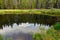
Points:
point(57, 26)
point(1, 37)
point(29, 4)
point(50, 34)
point(37, 36)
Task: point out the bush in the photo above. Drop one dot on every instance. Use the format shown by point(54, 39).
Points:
point(57, 26)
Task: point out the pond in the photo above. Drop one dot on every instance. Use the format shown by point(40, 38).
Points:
point(22, 26)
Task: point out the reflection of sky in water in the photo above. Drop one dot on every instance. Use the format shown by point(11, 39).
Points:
point(23, 27)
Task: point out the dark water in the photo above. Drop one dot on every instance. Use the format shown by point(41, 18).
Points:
point(31, 20)
point(9, 19)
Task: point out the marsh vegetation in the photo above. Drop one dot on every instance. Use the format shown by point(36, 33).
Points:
point(53, 33)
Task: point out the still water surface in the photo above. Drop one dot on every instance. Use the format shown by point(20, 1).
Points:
point(22, 31)
point(21, 27)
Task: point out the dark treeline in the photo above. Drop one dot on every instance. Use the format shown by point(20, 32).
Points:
point(29, 4)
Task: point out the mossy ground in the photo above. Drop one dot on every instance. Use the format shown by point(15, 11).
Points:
point(51, 12)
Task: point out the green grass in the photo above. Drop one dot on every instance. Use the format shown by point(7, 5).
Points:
point(51, 12)
point(50, 34)
point(1, 37)
point(53, 33)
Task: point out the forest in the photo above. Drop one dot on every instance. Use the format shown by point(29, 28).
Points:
point(29, 4)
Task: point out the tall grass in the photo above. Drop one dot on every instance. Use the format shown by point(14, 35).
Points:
point(50, 34)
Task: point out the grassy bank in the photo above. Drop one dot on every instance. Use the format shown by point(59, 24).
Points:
point(53, 33)
point(50, 34)
point(51, 12)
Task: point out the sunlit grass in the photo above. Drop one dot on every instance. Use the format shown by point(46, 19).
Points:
point(50, 34)
point(51, 12)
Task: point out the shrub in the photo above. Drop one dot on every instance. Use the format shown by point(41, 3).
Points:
point(57, 26)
